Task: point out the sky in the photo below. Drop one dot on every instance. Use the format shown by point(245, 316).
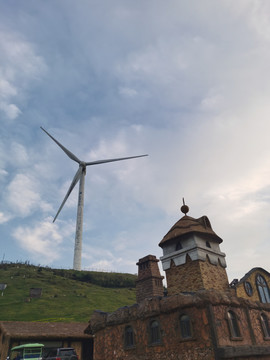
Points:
point(185, 81)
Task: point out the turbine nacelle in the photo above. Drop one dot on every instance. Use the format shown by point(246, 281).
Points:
point(83, 166)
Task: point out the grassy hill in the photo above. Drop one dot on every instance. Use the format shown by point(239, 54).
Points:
point(67, 295)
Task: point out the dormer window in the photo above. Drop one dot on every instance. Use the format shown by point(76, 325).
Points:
point(178, 246)
point(206, 222)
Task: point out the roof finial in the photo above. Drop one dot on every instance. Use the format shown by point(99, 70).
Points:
point(184, 208)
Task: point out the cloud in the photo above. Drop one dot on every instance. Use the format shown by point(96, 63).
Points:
point(186, 83)
point(106, 260)
point(19, 67)
point(42, 241)
point(127, 92)
point(3, 173)
point(11, 111)
point(19, 154)
point(4, 218)
point(23, 195)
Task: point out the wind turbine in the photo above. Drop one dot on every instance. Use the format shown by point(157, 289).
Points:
point(80, 176)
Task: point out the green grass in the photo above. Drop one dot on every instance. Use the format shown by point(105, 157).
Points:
point(67, 295)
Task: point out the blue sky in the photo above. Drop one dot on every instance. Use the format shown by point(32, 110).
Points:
point(185, 81)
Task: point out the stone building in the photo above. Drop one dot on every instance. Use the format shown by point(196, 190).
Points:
point(201, 316)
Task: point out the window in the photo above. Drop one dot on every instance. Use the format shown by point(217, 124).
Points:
point(154, 332)
point(265, 325)
point(185, 327)
point(208, 244)
point(248, 288)
point(129, 336)
point(178, 246)
point(233, 325)
point(262, 289)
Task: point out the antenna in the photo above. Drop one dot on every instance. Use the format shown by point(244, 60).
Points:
point(80, 176)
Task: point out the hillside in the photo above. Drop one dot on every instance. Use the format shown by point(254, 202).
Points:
point(67, 295)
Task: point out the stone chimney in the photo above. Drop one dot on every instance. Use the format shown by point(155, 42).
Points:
point(149, 283)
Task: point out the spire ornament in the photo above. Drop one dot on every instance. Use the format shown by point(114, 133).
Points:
point(184, 208)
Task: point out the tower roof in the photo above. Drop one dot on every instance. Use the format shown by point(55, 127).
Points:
point(187, 225)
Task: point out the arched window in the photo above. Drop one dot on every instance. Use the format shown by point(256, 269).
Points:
point(233, 325)
point(185, 327)
point(265, 325)
point(262, 289)
point(154, 332)
point(129, 336)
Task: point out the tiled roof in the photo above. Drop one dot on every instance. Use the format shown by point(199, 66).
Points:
point(28, 330)
point(188, 225)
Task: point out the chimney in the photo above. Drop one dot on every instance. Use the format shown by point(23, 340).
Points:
point(149, 283)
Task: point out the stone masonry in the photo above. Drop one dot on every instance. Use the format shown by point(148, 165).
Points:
point(196, 275)
point(149, 281)
point(211, 336)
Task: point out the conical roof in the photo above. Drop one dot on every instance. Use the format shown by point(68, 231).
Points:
point(187, 225)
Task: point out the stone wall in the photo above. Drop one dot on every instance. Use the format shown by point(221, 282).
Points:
point(211, 337)
point(109, 339)
point(194, 276)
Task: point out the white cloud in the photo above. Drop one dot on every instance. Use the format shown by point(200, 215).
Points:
point(19, 154)
point(128, 92)
point(212, 102)
point(4, 218)
point(107, 149)
point(258, 17)
point(3, 173)
point(42, 241)
point(19, 67)
point(7, 89)
point(187, 83)
point(23, 195)
point(11, 111)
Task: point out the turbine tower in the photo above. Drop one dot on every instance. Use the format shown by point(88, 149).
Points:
point(80, 176)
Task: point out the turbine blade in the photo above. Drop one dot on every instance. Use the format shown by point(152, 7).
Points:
point(110, 160)
point(72, 185)
point(69, 153)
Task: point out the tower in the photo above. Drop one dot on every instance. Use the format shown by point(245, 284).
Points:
point(191, 257)
point(149, 281)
